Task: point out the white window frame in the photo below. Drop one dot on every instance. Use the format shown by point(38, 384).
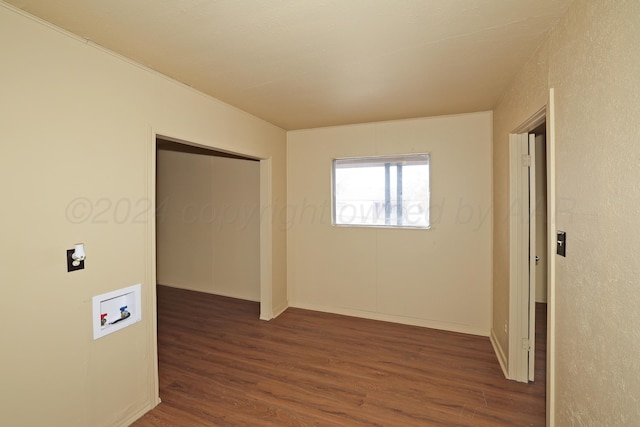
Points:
point(388, 161)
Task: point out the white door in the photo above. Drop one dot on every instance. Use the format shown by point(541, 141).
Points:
point(532, 254)
point(522, 277)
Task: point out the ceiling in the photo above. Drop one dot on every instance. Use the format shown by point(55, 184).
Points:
point(311, 63)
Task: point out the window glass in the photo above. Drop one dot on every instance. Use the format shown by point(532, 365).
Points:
point(391, 191)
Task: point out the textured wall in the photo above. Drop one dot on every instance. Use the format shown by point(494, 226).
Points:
point(595, 68)
point(593, 63)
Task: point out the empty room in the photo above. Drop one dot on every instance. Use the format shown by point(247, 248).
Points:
point(336, 213)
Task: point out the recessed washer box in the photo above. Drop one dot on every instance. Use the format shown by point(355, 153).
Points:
point(116, 310)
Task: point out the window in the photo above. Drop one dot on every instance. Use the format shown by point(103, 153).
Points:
point(390, 191)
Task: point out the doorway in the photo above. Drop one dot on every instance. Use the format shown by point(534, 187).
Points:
point(267, 311)
point(519, 309)
point(208, 221)
point(265, 213)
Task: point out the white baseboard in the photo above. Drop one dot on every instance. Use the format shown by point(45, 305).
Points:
point(502, 359)
point(276, 312)
point(212, 292)
point(384, 317)
point(139, 414)
point(280, 309)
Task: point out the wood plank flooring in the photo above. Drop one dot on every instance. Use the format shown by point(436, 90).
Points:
point(219, 365)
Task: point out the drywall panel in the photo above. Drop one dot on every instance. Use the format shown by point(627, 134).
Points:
point(236, 228)
point(184, 220)
point(440, 277)
point(76, 165)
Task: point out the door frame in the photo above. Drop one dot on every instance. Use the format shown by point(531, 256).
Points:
point(551, 259)
point(266, 218)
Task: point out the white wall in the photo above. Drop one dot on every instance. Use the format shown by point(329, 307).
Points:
point(184, 223)
point(236, 233)
point(439, 277)
point(591, 59)
point(77, 134)
point(208, 224)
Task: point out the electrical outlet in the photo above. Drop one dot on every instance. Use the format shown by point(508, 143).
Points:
point(506, 328)
point(70, 260)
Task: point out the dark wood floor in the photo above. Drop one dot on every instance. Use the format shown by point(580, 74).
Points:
point(221, 366)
